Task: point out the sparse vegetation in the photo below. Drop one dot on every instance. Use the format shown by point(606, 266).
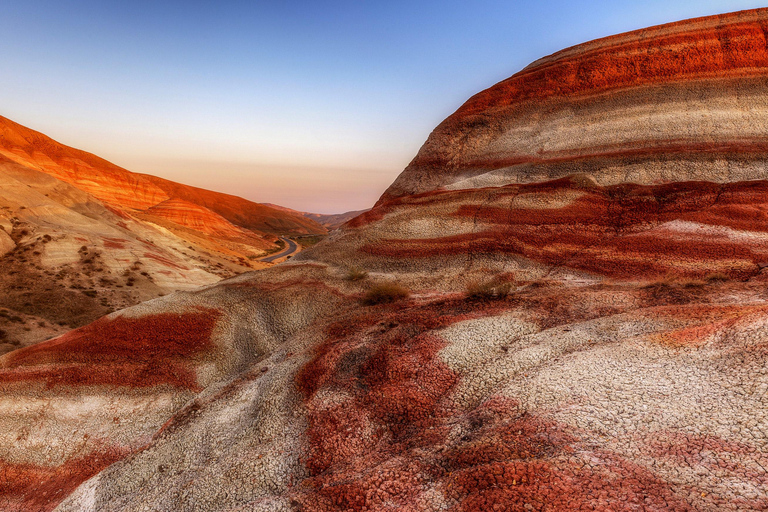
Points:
point(716, 277)
point(494, 289)
point(355, 274)
point(279, 246)
point(385, 293)
point(307, 241)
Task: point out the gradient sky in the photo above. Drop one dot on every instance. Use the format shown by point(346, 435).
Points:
point(316, 106)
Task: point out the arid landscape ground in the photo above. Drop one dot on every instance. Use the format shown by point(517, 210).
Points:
point(560, 304)
point(82, 237)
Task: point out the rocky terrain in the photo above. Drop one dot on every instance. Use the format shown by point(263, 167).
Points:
point(81, 237)
point(582, 330)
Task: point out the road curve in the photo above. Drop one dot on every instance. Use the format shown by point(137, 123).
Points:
point(291, 247)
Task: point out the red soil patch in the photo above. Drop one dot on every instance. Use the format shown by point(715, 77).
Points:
point(135, 352)
point(30, 488)
point(118, 211)
point(391, 434)
point(115, 243)
point(165, 261)
point(702, 321)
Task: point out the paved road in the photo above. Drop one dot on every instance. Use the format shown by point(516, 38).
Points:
point(291, 247)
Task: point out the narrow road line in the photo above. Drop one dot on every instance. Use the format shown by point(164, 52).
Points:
point(291, 247)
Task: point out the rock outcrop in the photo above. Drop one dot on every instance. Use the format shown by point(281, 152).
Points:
point(684, 101)
point(582, 343)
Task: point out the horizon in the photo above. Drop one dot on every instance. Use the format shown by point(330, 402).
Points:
point(314, 108)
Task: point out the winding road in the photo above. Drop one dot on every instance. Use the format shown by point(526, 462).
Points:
point(291, 247)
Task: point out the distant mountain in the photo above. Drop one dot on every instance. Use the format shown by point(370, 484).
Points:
point(330, 222)
point(119, 187)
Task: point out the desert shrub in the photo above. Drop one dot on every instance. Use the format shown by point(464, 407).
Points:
point(355, 274)
point(488, 290)
point(385, 293)
point(716, 277)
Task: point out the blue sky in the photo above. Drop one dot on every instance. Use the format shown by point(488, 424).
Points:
point(312, 105)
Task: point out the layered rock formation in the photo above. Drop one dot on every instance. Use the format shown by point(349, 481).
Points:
point(582, 343)
point(197, 217)
point(684, 101)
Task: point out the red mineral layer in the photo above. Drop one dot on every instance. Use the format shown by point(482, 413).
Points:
point(608, 230)
point(723, 55)
point(135, 352)
point(387, 444)
point(31, 488)
point(730, 45)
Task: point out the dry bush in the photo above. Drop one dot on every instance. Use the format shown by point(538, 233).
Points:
point(489, 290)
point(355, 274)
point(385, 293)
point(716, 277)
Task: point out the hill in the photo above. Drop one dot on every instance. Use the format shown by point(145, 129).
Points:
point(81, 237)
point(120, 188)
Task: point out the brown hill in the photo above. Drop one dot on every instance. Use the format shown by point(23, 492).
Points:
point(198, 218)
point(118, 187)
point(567, 344)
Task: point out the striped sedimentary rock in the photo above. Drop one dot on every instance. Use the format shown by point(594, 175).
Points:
point(675, 102)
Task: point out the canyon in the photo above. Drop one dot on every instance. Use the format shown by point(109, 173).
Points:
point(560, 304)
point(81, 237)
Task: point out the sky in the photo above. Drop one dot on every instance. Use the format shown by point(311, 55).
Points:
point(316, 106)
